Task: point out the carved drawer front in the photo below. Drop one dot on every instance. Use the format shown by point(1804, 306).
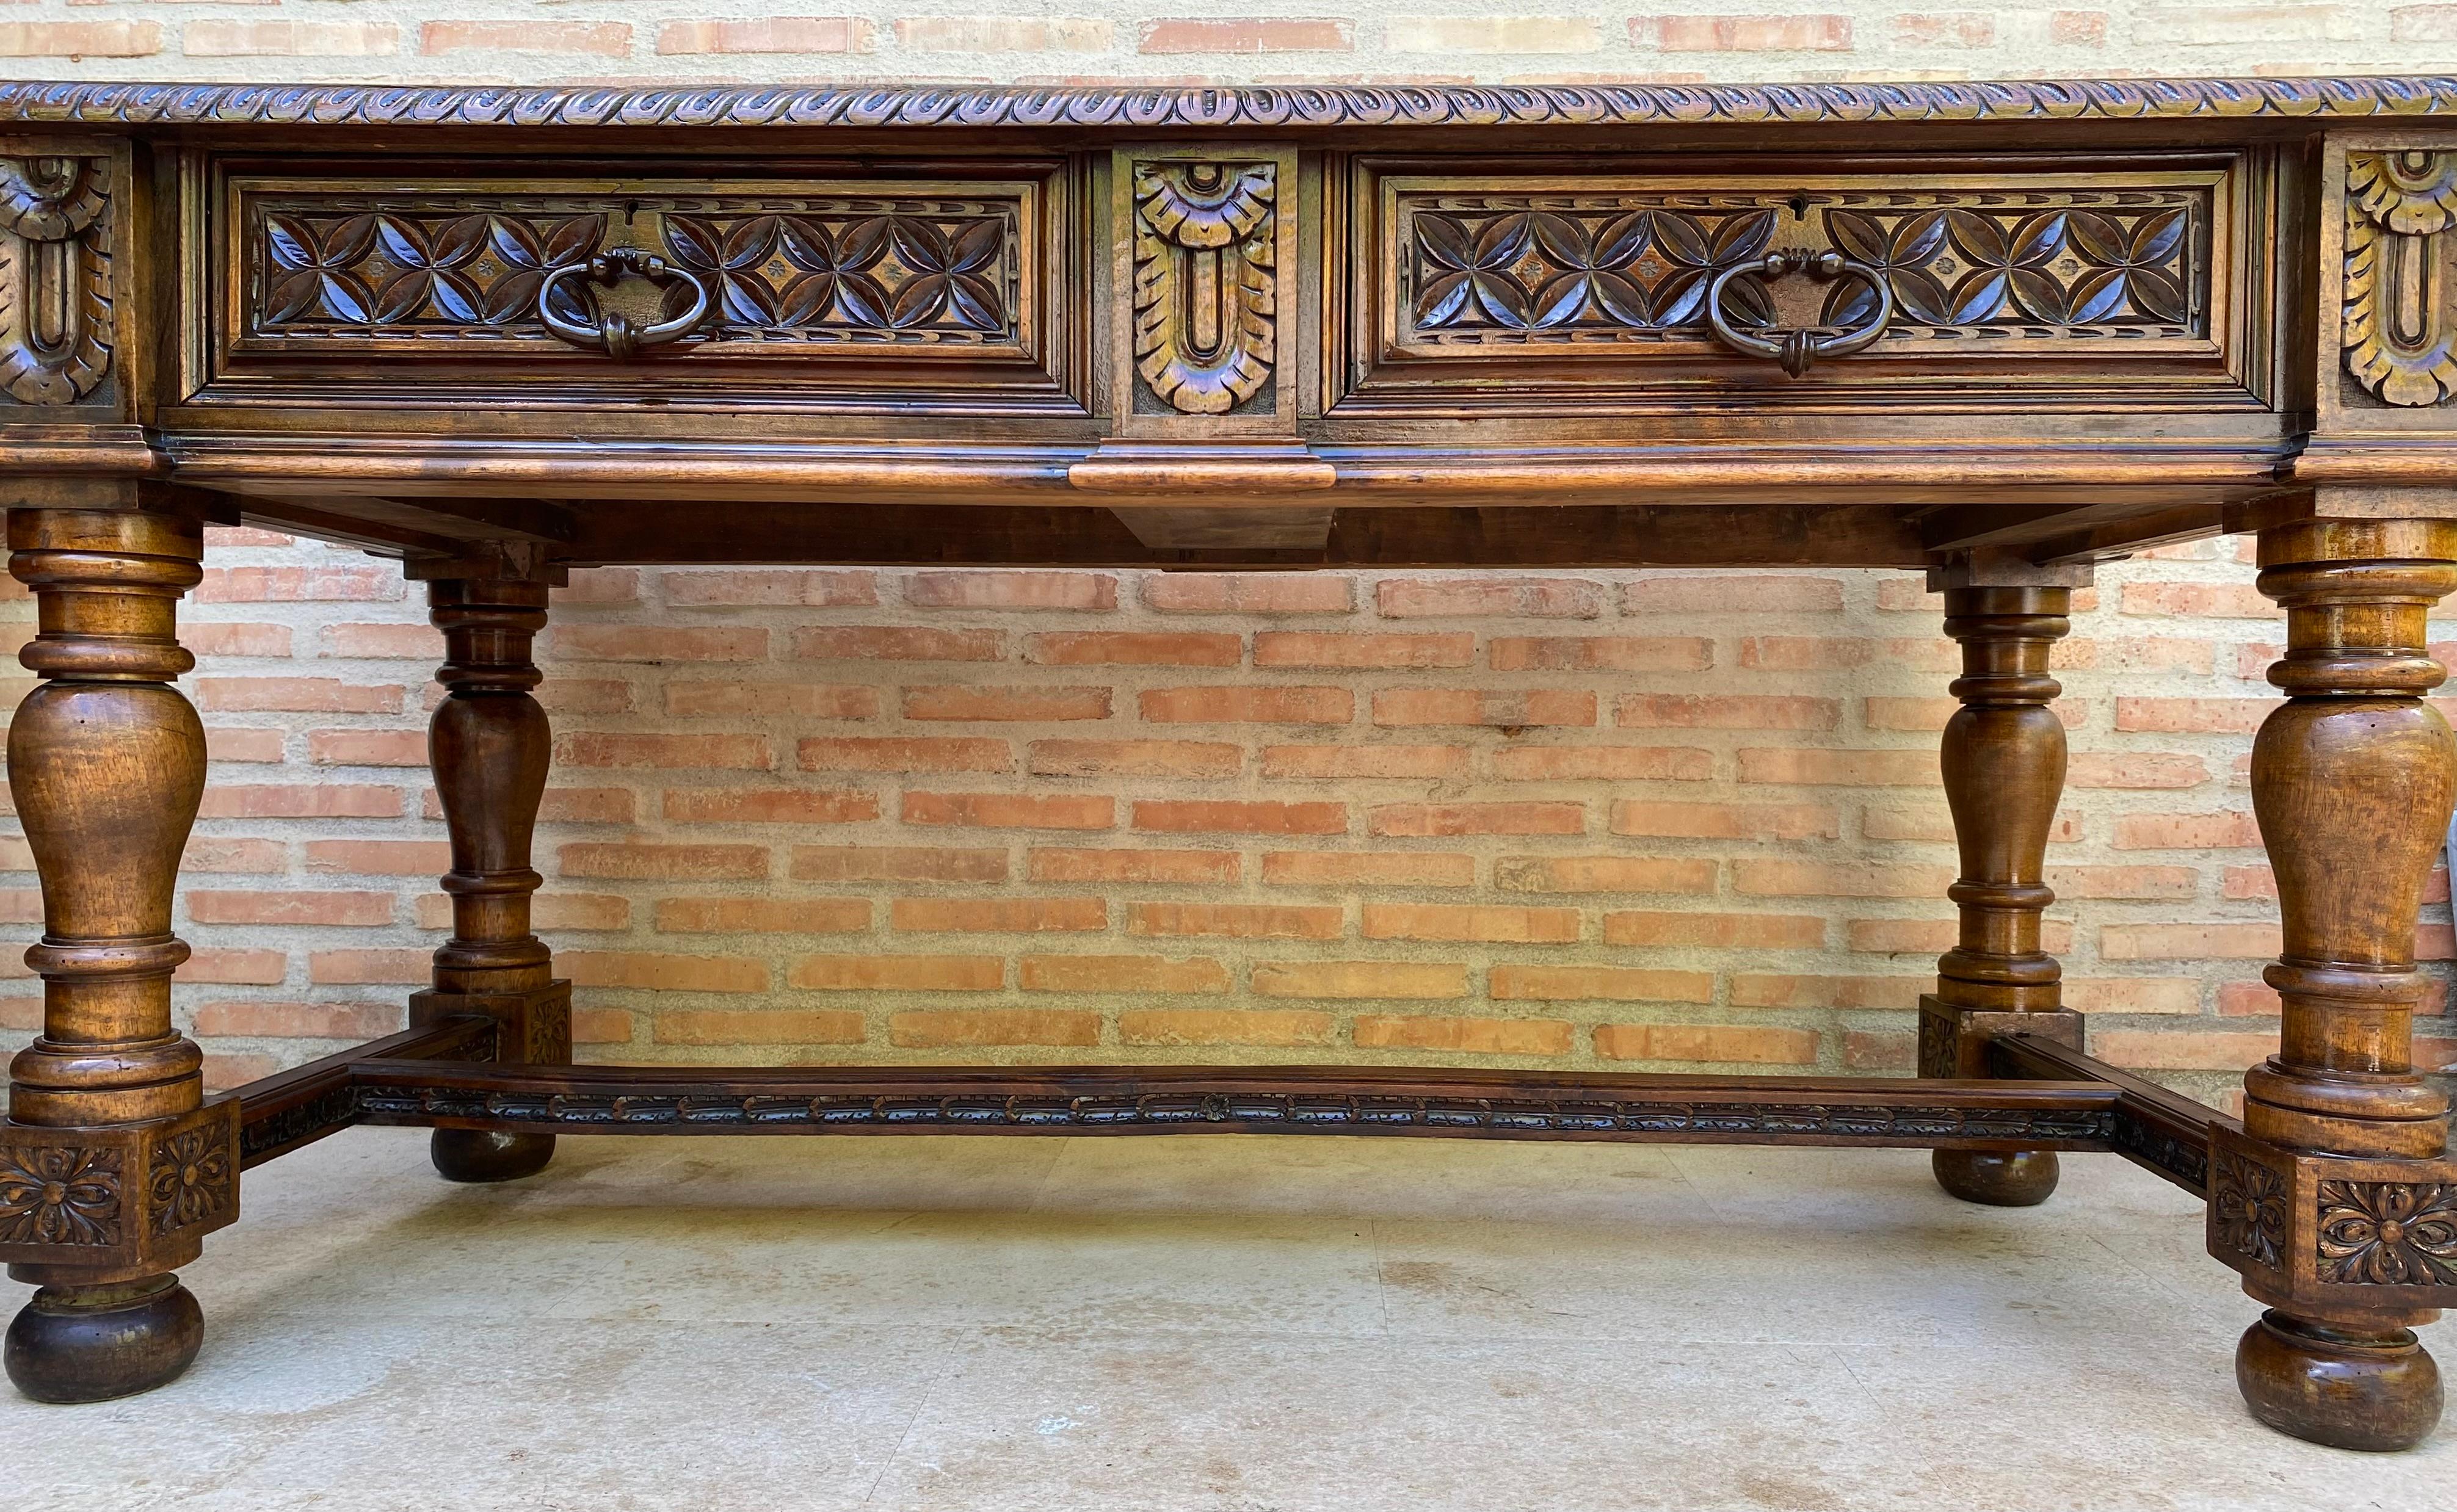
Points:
point(2035, 276)
point(911, 280)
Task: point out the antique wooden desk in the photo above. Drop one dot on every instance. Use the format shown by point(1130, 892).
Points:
point(1993, 332)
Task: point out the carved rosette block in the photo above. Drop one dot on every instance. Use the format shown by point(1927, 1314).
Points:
point(2399, 322)
point(56, 298)
point(2362, 1241)
point(119, 1201)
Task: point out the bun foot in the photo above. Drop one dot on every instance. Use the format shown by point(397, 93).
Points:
point(2373, 1391)
point(2020, 1179)
point(484, 1155)
point(92, 1343)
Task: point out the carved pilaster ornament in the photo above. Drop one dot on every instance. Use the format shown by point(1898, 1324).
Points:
point(2399, 327)
point(55, 277)
point(1205, 282)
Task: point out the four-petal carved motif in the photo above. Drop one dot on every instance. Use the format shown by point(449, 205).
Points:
point(1551, 270)
point(2388, 1234)
point(59, 1194)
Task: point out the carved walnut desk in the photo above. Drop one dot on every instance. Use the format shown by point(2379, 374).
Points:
point(1995, 333)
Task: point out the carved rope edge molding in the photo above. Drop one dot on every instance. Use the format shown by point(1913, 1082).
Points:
point(1140, 107)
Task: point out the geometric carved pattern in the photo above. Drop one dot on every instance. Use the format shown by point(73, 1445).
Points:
point(832, 270)
point(2387, 1234)
point(55, 277)
point(2248, 1208)
point(1206, 284)
point(59, 1194)
point(1583, 268)
point(2399, 322)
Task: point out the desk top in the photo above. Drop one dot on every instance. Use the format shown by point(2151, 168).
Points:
point(1888, 325)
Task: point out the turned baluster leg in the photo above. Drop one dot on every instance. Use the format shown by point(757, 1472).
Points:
point(113, 1166)
point(2337, 1201)
point(2004, 766)
point(490, 746)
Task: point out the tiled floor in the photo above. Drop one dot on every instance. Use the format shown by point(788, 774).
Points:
point(1197, 1323)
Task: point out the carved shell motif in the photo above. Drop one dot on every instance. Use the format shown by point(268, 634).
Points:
point(2399, 318)
point(1205, 290)
point(54, 279)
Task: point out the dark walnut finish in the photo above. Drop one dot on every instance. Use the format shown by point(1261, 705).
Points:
point(1995, 333)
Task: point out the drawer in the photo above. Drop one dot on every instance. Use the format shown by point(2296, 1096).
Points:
point(1498, 285)
point(459, 281)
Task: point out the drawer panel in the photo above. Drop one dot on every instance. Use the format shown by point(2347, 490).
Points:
point(2036, 277)
point(418, 281)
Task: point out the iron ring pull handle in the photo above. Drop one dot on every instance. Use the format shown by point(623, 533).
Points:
point(614, 333)
point(1797, 349)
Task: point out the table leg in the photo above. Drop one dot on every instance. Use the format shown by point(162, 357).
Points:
point(2337, 1201)
point(2004, 766)
point(489, 746)
point(113, 1166)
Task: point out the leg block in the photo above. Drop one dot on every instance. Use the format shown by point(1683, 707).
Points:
point(533, 1028)
point(1954, 1042)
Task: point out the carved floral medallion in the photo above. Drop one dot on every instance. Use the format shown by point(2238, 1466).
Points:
point(187, 1181)
point(2247, 1207)
point(59, 1194)
point(2387, 1234)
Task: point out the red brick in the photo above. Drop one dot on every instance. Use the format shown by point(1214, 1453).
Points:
point(263, 640)
point(773, 699)
point(2229, 601)
point(1601, 653)
point(1248, 34)
point(897, 643)
point(290, 906)
point(305, 695)
point(2149, 883)
point(767, 805)
point(1812, 879)
point(767, 34)
point(758, 1026)
point(370, 968)
point(664, 863)
point(790, 585)
point(934, 1027)
point(1241, 816)
point(2142, 770)
point(1133, 758)
point(1134, 648)
point(1711, 1043)
point(298, 585)
point(1243, 593)
point(210, 853)
point(1465, 1036)
point(1722, 931)
point(586, 695)
point(611, 39)
point(2193, 716)
point(2188, 942)
point(1950, 29)
point(1120, 973)
point(1350, 649)
point(972, 702)
point(904, 753)
point(1602, 874)
point(2140, 994)
point(1805, 653)
point(248, 967)
point(1012, 810)
point(1003, 34)
point(998, 915)
point(1250, 921)
point(1382, 868)
point(1498, 923)
point(1303, 762)
point(1479, 819)
point(381, 858)
point(79, 40)
point(1011, 588)
point(1603, 763)
point(659, 644)
point(762, 915)
point(1791, 990)
point(600, 748)
point(228, 744)
point(1632, 816)
point(1732, 592)
point(1742, 34)
point(1248, 706)
point(1725, 712)
point(2181, 1050)
point(1514, 709)
point(1060, 864)
point(896, 863)
point(598, 586)
point(223, 1072)
point(650, 972)
point(349, 1021)
point(1225, 1025)
point(2079, 29)
point(301, 801)
point(1839, 769)
point(1618, 983)
point(1359, 979)
point(1491, 597)
point(1865, 1051)
point(898, 974)
point(2234, 831)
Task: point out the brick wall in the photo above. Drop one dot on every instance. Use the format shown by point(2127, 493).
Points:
point(1639, 819)
point(664, 41)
